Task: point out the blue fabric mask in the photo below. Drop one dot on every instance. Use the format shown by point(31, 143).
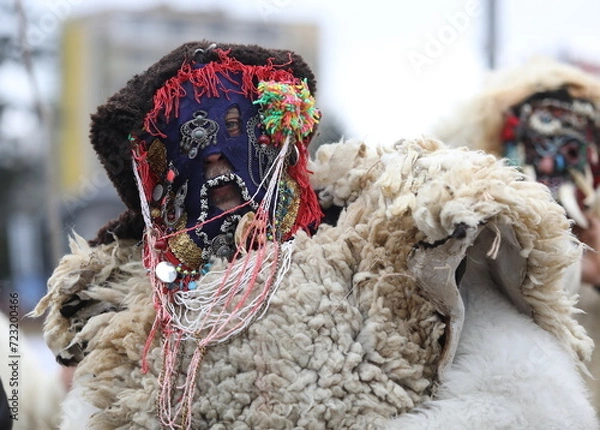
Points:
point(212, 153)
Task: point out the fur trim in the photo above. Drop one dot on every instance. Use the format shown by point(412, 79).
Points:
point(70, 300)
point(129, 225)
point(478, 123)
point(349, 339)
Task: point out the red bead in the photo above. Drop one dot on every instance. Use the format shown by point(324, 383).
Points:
point(264, 139)
point(170, 175)
point(508, 131)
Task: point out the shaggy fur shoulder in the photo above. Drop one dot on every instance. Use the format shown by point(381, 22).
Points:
point(350, 339)
point(72, 302)
point(508, 372)
point(440, 188)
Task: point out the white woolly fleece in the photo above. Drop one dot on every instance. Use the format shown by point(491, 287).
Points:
point(508, 374)
point(349, 339)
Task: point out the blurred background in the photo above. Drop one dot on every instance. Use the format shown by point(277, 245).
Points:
point(386, 70)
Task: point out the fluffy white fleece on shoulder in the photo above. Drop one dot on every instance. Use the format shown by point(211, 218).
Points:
point(508, 373)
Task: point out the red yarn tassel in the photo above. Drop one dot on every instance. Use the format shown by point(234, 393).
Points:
point(309, 212)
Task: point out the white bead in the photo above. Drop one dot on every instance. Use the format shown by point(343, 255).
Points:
point(165, 271)
point(157, 193)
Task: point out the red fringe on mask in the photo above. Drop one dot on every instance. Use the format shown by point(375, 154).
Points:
point(309, 212)
point(206, 81)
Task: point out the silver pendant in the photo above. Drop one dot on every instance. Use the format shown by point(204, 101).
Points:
point(198, 133)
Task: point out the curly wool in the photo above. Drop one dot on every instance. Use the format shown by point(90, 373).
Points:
point(348, 341)
point(104, 267)
point(441, 187)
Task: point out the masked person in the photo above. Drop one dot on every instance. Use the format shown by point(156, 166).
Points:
point(218, 301)
point(543, 117)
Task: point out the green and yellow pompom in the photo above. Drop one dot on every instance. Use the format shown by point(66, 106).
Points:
point(288, 109)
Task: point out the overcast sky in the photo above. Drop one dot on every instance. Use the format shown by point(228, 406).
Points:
point(391, 69)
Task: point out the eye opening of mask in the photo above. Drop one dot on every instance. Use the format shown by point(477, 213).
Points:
point(233, 121)
point(573, 150)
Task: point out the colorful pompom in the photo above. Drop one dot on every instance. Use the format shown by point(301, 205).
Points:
point(288, 109)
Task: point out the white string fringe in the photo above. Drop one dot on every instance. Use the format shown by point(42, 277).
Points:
point(205, 312)
point(224, 303)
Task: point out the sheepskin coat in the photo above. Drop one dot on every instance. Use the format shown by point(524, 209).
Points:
point(350, 338)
